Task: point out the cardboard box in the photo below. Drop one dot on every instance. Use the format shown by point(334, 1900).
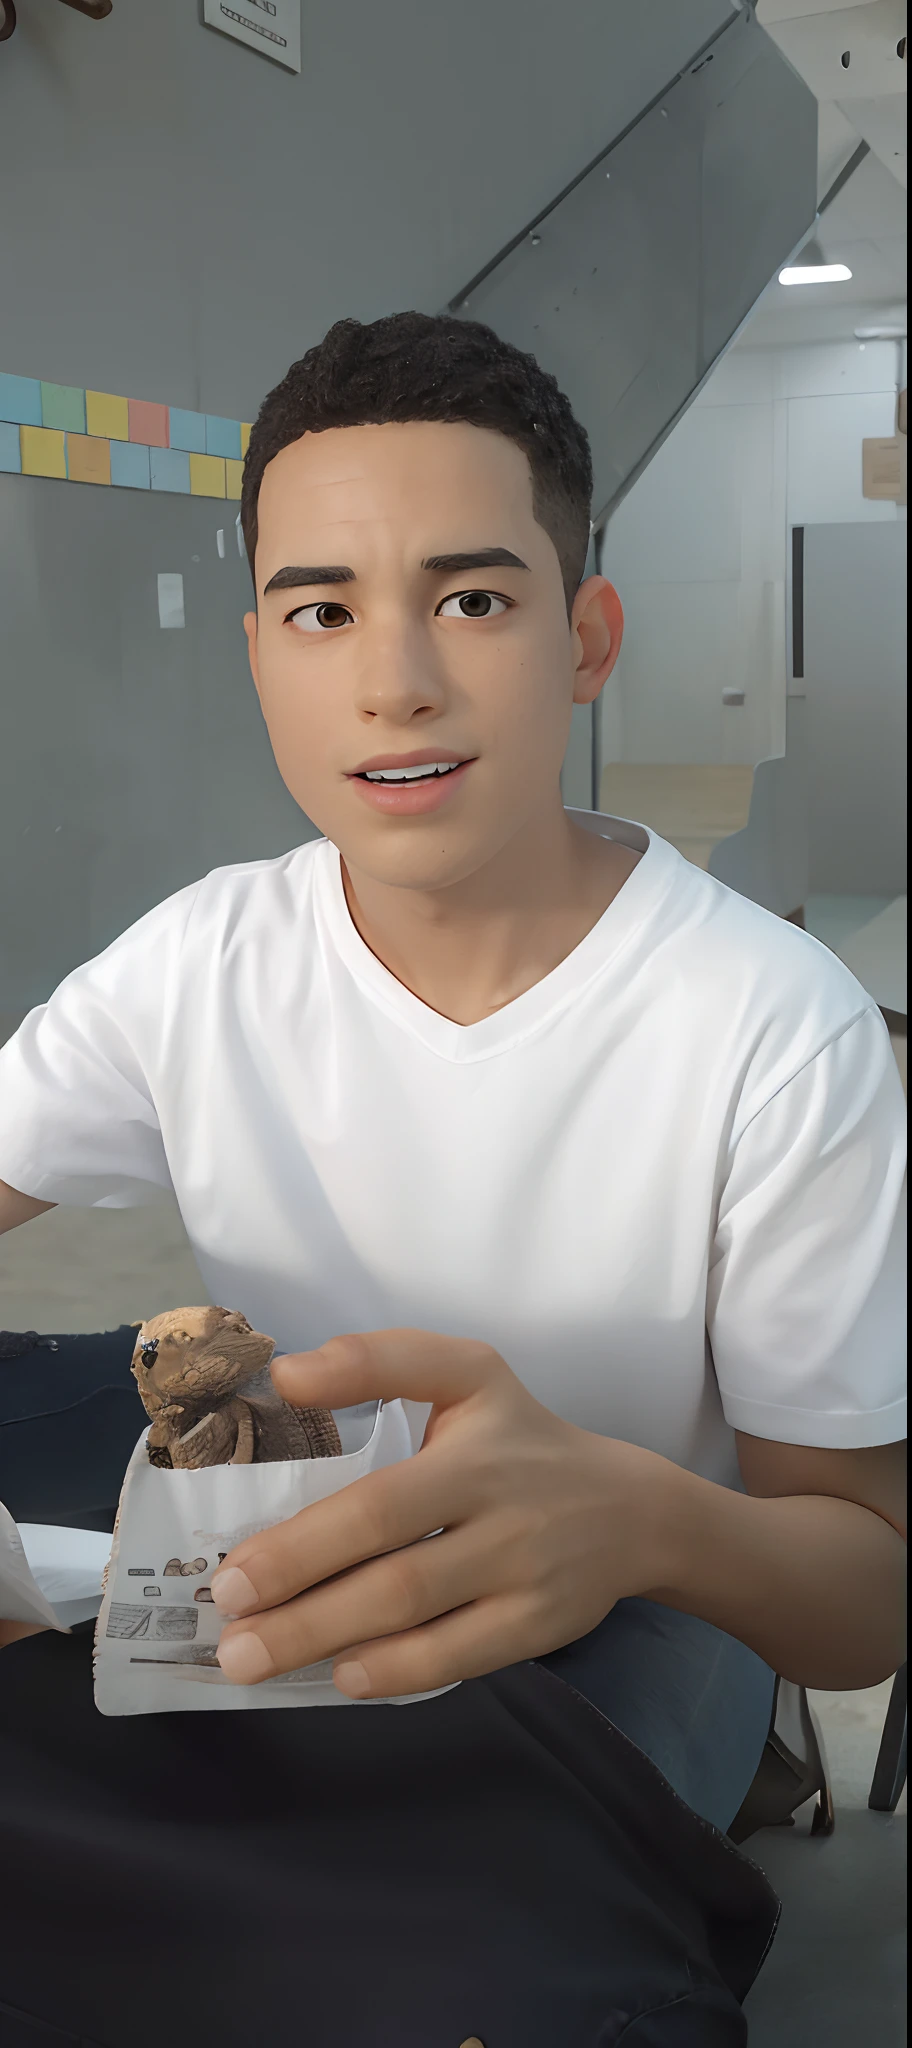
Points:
point(882, 469)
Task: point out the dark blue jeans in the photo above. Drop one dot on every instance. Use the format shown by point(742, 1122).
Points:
point(696, 1701)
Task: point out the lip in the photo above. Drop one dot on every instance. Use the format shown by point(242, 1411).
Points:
point(412, 799)
point(422, 759)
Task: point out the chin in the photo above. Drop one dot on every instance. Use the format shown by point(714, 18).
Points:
point(413, 867)
point(408, 859)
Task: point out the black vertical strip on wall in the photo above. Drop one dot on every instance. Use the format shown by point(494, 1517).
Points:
point(798, 602)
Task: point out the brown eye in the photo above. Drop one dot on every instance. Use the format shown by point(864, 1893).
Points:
point(474, 604)
point(318, 618)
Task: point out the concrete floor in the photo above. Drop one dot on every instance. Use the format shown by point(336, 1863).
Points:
point(836, 1973)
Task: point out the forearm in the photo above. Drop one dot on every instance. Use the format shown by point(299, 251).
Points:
point(816, 1586)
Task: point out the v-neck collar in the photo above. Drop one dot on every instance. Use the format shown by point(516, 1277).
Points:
point(618, 925)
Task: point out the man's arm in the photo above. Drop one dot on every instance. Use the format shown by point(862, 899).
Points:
point(808, 1568)
point(16, 1208)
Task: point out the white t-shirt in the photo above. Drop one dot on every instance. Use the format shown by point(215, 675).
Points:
point(664, 1183)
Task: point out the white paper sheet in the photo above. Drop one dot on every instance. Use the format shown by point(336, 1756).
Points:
point(21, 1596)
point(68, 1567)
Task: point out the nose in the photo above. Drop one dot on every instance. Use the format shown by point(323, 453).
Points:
point(400, 675)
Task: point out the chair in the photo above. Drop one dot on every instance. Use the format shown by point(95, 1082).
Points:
point(792, 1769)
point(890, 1768)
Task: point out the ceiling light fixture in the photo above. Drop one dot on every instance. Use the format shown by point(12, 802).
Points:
point(811, 267)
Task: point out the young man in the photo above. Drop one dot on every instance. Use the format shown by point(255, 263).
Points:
point(587, 1151)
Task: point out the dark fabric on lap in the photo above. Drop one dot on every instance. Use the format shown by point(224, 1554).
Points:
point(499, 1862)
point(69, 1421)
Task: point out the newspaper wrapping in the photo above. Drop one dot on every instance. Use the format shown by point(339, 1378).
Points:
point(157, 1632)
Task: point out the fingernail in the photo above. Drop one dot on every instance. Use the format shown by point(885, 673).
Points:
point(245, 1659)
point(353, 1679)
point(232, 1592)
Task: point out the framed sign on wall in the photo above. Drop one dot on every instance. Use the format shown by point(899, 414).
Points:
point(273, 27)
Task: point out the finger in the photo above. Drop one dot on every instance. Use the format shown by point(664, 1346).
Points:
point(386, 1365)
point(480, 1637)
point(386, 1597)
point(381, 1512)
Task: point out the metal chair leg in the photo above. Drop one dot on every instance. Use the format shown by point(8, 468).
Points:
point(890, 1768)
point(793, 1768)
point(823, 1819)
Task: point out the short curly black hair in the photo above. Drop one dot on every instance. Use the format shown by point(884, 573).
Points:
point(422, 366)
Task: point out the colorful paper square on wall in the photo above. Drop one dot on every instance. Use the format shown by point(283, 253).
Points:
point(170, 469)
point(207, 476)
point(148, 423)
point(10, 451)
point(88, 460)
point(188, 430)
point(62, 405)
point(234, 472)
point(20, 400)
point(223, 437)
point(107, 417)
point(245, 436)
point(43, 451)
point(130, 466)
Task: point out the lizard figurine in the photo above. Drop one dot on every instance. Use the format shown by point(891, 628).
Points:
point(188, 1364)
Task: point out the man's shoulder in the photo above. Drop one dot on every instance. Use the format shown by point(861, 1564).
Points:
point(223, 896)
point(762, 948)
point(261, 879)
point(728, 949)
point(768, 986)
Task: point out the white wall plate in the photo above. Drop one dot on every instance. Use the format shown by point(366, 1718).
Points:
point(273, 27)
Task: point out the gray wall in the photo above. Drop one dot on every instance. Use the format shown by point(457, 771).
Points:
point(855, 679)
point(189, 218)
point(134, 759)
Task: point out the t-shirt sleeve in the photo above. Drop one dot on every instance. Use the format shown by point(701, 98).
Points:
point(78, 1118)
point(806, 1305)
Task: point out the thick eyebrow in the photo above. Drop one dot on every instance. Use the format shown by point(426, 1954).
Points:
point(295, 577)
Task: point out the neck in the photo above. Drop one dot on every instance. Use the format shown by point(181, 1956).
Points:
point(469, 949)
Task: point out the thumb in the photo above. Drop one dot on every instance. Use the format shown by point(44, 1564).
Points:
point(386, 1365)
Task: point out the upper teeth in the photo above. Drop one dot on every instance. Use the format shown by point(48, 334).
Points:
point(409, 774)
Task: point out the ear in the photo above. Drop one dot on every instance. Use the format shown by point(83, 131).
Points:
point(597, 623)
point(250, 628)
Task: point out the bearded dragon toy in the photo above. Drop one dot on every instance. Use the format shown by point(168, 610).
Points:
point(188, 1365)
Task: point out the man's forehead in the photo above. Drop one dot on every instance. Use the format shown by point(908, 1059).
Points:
point(373, 467)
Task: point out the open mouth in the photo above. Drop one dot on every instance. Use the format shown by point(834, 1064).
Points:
point(433, 772)
point(411, 792)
